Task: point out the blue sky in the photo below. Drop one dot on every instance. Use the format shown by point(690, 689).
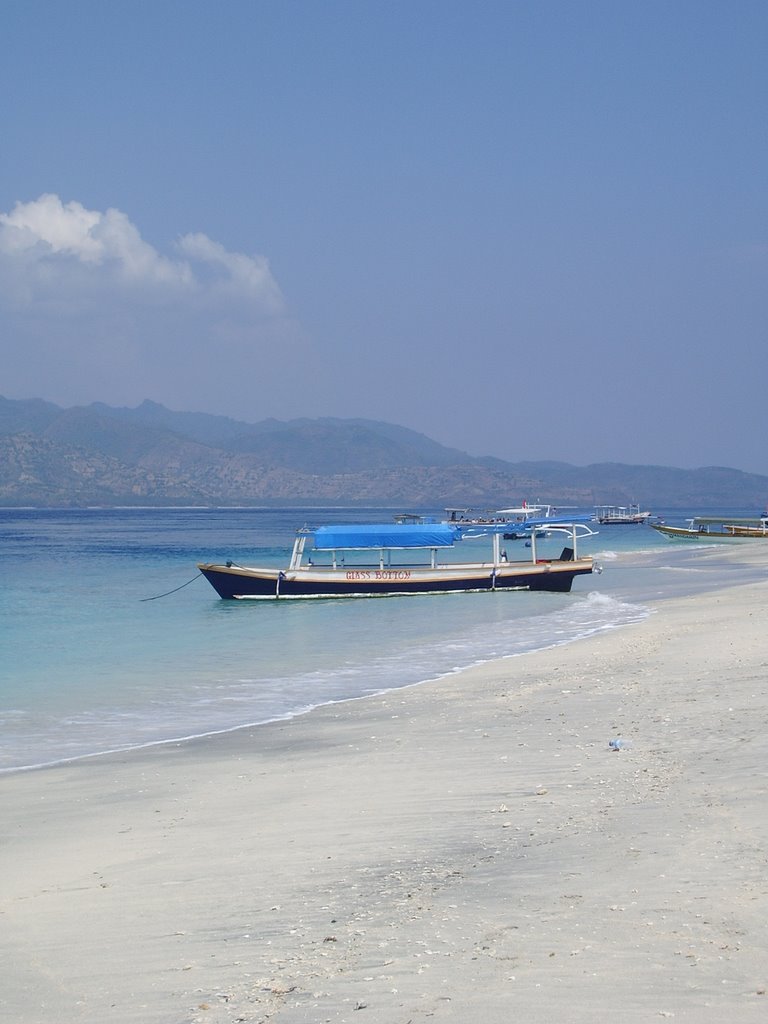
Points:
point(536, 230)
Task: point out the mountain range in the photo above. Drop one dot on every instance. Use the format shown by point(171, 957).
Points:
point(150, 455)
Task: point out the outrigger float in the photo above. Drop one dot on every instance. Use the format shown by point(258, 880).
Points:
point(400, 558)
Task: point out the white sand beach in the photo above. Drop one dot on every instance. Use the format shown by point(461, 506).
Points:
point(466, 850)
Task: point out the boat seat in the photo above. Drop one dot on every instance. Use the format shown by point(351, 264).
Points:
point(566, 555)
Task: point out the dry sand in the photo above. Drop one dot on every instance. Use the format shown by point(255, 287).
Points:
point(466, 850)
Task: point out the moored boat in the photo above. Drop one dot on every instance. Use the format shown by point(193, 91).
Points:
point(535, 519)
point(380, 560)
point(759, 528)
point(520, 522)
point(620, 515)
point(706, 529)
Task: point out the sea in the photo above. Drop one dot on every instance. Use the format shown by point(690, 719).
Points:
point(110, 639)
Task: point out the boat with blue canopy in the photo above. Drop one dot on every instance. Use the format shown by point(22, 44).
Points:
point(385, 559)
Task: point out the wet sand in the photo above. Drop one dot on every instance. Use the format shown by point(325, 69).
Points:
point(469, 849)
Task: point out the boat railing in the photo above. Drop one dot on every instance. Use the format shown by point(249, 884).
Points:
point(375, 556)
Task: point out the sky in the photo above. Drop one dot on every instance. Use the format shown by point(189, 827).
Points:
point(534, 229)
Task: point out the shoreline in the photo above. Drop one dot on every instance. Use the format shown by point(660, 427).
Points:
point(91, 713)
point(397, 675)
point(290, 716)
point(462, 848)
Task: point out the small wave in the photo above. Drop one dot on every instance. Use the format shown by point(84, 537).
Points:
point(680, 568)
point(227, 704)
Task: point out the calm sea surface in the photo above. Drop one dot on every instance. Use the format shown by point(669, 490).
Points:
point(93, 659)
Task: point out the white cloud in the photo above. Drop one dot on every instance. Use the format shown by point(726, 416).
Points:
point(61, 255)
point(90, 311)
point(234, 273)
point(61, 228)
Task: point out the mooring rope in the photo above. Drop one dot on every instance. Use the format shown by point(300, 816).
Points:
point(175, 589)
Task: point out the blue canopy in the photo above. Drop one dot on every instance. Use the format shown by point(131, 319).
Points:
point(387, 535)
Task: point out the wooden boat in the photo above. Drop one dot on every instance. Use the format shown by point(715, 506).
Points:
point(620, 515)
point(759, 528)
point(399, 558)
point(706, 529)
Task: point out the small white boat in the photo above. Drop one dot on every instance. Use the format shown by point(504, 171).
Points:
point(380, 560)
point(620, 515)
point(527, 519)
point(520, 522)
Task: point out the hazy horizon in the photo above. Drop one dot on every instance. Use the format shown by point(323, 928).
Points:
point(532, 231)
point(391, 423)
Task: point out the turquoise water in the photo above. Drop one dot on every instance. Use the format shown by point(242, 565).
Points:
point(94, 660)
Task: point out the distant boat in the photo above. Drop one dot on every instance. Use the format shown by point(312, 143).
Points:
point(520, 521)
point(517, 520)
point(399, 558)
point(620, 515)
point(538, 519)
point(706, 529)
